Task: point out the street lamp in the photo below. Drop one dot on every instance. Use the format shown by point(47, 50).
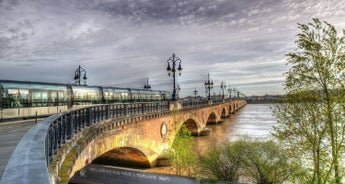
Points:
point(229, 91)
point(222, 86)
point(195, 92)
point(173, 61)
point(77, 75)
point(147, 86)
point(209, 86)
point(178, 91)
point(234, 92)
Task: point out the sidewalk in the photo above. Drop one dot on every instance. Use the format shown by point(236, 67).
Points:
point(11, 133)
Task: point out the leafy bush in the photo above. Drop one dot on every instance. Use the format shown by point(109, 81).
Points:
point(262, 162)
point(182, 154)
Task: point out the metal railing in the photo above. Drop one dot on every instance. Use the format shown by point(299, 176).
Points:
point(194, 103)
point(72, 122)
point(186, 104)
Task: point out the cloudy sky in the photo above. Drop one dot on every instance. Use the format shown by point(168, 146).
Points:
point(121, 42)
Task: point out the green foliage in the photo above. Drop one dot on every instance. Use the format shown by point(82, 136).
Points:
point(266, 163)
point(262, 162)
point(302, 132)
point(182, 154)
point(223, 163)
point(66, 166)
point(311, 120)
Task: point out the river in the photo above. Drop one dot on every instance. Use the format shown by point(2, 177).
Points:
point(253, 120)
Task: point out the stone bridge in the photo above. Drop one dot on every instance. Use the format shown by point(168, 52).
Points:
point(69, 146)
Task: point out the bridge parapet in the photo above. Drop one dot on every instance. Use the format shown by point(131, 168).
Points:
point(29, 161)
point(194, 103)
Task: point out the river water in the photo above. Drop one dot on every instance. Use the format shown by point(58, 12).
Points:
point(253, 120)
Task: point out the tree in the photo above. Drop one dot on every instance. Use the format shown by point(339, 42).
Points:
point(302, 132)
point(262, 162)
point(182, 154)
point(311, 120)
point(223, 163)
point(265, 162)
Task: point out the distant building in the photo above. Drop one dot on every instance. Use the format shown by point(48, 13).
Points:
point(264, 99)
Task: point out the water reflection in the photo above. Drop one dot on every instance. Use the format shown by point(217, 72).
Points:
point(254, 120)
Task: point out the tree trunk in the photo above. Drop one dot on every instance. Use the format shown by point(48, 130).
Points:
point(333, 140)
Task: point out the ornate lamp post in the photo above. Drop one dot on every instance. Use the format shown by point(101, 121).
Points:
point(178, 92)
point(229, 91)
point(234, 92)
point(195, 92)
point(77, 75)
point(223, 87)
point(209, 86)
point(147, 86)
point(173, 60)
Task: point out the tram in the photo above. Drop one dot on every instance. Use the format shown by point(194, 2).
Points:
point(23, 99)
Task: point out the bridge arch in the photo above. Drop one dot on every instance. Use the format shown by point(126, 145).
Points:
point(123, 156)
point(149, 148)
point(224, 112)
point(192, 126)
point(212, 118)
point(233, 108)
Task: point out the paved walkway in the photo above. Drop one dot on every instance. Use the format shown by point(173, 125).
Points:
point(10, 135)
point(107, 174)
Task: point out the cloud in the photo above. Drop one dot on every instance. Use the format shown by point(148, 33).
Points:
point(120, 43)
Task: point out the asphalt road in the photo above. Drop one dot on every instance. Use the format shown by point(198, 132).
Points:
point(10, 135)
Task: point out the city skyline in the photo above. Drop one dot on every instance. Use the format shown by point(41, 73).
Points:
point(121, 43)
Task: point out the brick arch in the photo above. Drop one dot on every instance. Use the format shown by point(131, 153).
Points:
point(151, 149)
point(212, 118)
point(233, 107)
point(192, 126)
point(230, 108)
point(224, 112)
point(123, 156)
